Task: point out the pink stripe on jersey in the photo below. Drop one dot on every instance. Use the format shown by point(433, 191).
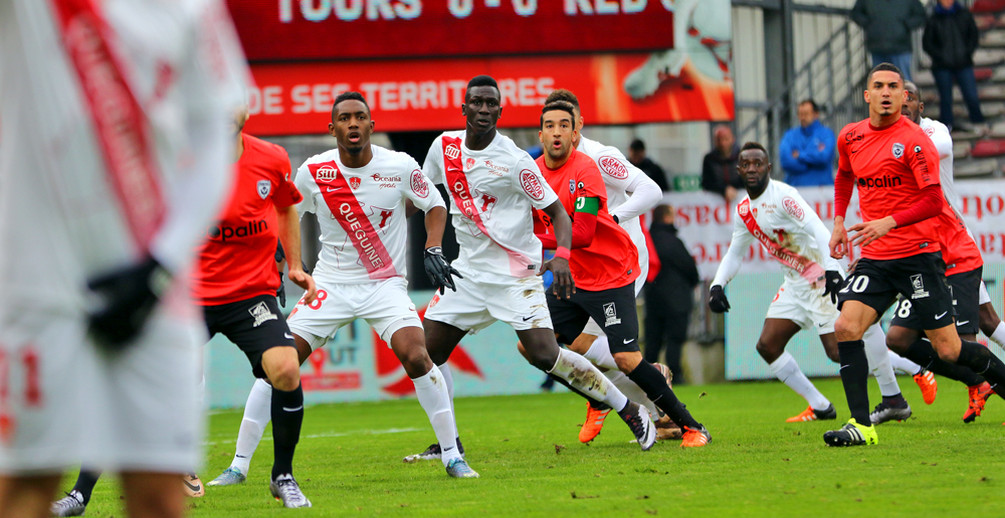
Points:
point(457, 184)
point(345, 207)
point(117, 117)
point(809, 270)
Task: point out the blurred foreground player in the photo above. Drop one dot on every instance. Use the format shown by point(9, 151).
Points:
point(359, 192)
point(494, 185)
point(113, 162)
point(895, 166)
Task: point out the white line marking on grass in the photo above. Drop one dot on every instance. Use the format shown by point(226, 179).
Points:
point(327, 435)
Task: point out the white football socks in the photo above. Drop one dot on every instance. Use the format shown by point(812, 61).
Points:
point(903, 365)
point(879, 360)
point(591, 382)
point(257, 414)
point(600, 355)
point(448, 379)
point(431, 389)
point(999, 335)
point(787, 371)
point(632, 391)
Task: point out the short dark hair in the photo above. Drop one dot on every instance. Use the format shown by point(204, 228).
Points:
point(637, 145)
point(660, 211)
point(346, 96)
point(812, 103)
point(562, 95)
point(559, 105)
point(916, 87)
point(482, 80)
point(890, 67)
point(755, 145)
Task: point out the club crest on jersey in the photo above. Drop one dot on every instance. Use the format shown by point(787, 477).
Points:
point(261, 313)
point(572, 185)
point(898, 150)
point(613, 167)
point(919, 287)
point(533, 188)
point(611, 315)
point(469, 163)
point(264, 188)
point(354, 182)
point(326, 173)
point(419, 186)
point(452, 151)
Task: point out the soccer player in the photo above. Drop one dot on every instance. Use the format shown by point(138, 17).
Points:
point(604, 266)
point(111, 170)
point(893, 163)
point(493, 185)
point(358, 192)
point(630, 193)
point(964, 267)
point(779, 218)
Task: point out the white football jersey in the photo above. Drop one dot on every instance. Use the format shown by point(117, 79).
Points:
point(95, 173)
point(785, 218)
point(497, 187)
point(943, 141)
point(618, 174)
point(361, 213)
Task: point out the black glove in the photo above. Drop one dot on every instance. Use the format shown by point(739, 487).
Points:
point(438, 269)
point(281, 292)
point(832, 284)
point(717, 301)
point(129, 296)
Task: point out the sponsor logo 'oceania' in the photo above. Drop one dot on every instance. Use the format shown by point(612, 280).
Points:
point(885, 181)
point(225, 232)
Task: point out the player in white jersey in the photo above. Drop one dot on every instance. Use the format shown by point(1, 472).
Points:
point(113, 161)
point(774, 214)
point(493, 185)
point(630, 194)
point(358, 193)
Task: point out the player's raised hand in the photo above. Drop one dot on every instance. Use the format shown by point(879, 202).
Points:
point(832, 284)
point(438, 269)
point(869, 231)
point(717, 300)
point(839, 239)
point(562, 285)
point(305, 281)
point(128, 297)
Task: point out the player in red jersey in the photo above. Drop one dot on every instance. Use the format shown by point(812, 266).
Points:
point(604, 265)
point(895, 166)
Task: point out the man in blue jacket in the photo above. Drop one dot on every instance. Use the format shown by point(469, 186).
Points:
point(807, 151)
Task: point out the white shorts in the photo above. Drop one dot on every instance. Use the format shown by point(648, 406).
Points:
point(384, 305)
point(69, 402)
point(476, 305)
point(984, 297)
point(805, 306)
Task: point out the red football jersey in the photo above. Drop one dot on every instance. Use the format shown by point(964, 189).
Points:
point(237, 261)
point(959, 250)
point(891, 165)
point(611, 260)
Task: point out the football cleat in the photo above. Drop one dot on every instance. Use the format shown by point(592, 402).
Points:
point(458, 468)
point(286, 489)
point(695, 438)
point(593, 424)
point(884, 412)
point(637, 418)
point(814, 415)
point(979, 395)
point(432, 452)
point(667, 430)
point(193, 486)
point(666, 372)
point(70, 505)
point(929, 387)
point(229, 477)
point(852, 434)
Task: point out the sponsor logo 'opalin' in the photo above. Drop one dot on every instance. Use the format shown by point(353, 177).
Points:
point(226, 232)
point(885, 181)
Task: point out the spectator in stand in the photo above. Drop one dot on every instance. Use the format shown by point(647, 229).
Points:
point(718, 169)
point(637, 156)
point(950, 40)
point(888, 25)
point(669, 295)
point(807, 151)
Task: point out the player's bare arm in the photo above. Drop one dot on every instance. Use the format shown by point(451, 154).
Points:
point(839, 239)
point(559, 266)
point(289, 235)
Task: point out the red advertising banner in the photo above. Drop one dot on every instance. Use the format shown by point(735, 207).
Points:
point(288, 30)
point(426, 94)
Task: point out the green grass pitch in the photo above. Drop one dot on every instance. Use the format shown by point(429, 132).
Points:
point(531, 463)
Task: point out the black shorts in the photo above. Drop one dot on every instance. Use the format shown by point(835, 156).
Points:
point(613, 309)
point(920, 279)
point(965, 290)
point(255, 325)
